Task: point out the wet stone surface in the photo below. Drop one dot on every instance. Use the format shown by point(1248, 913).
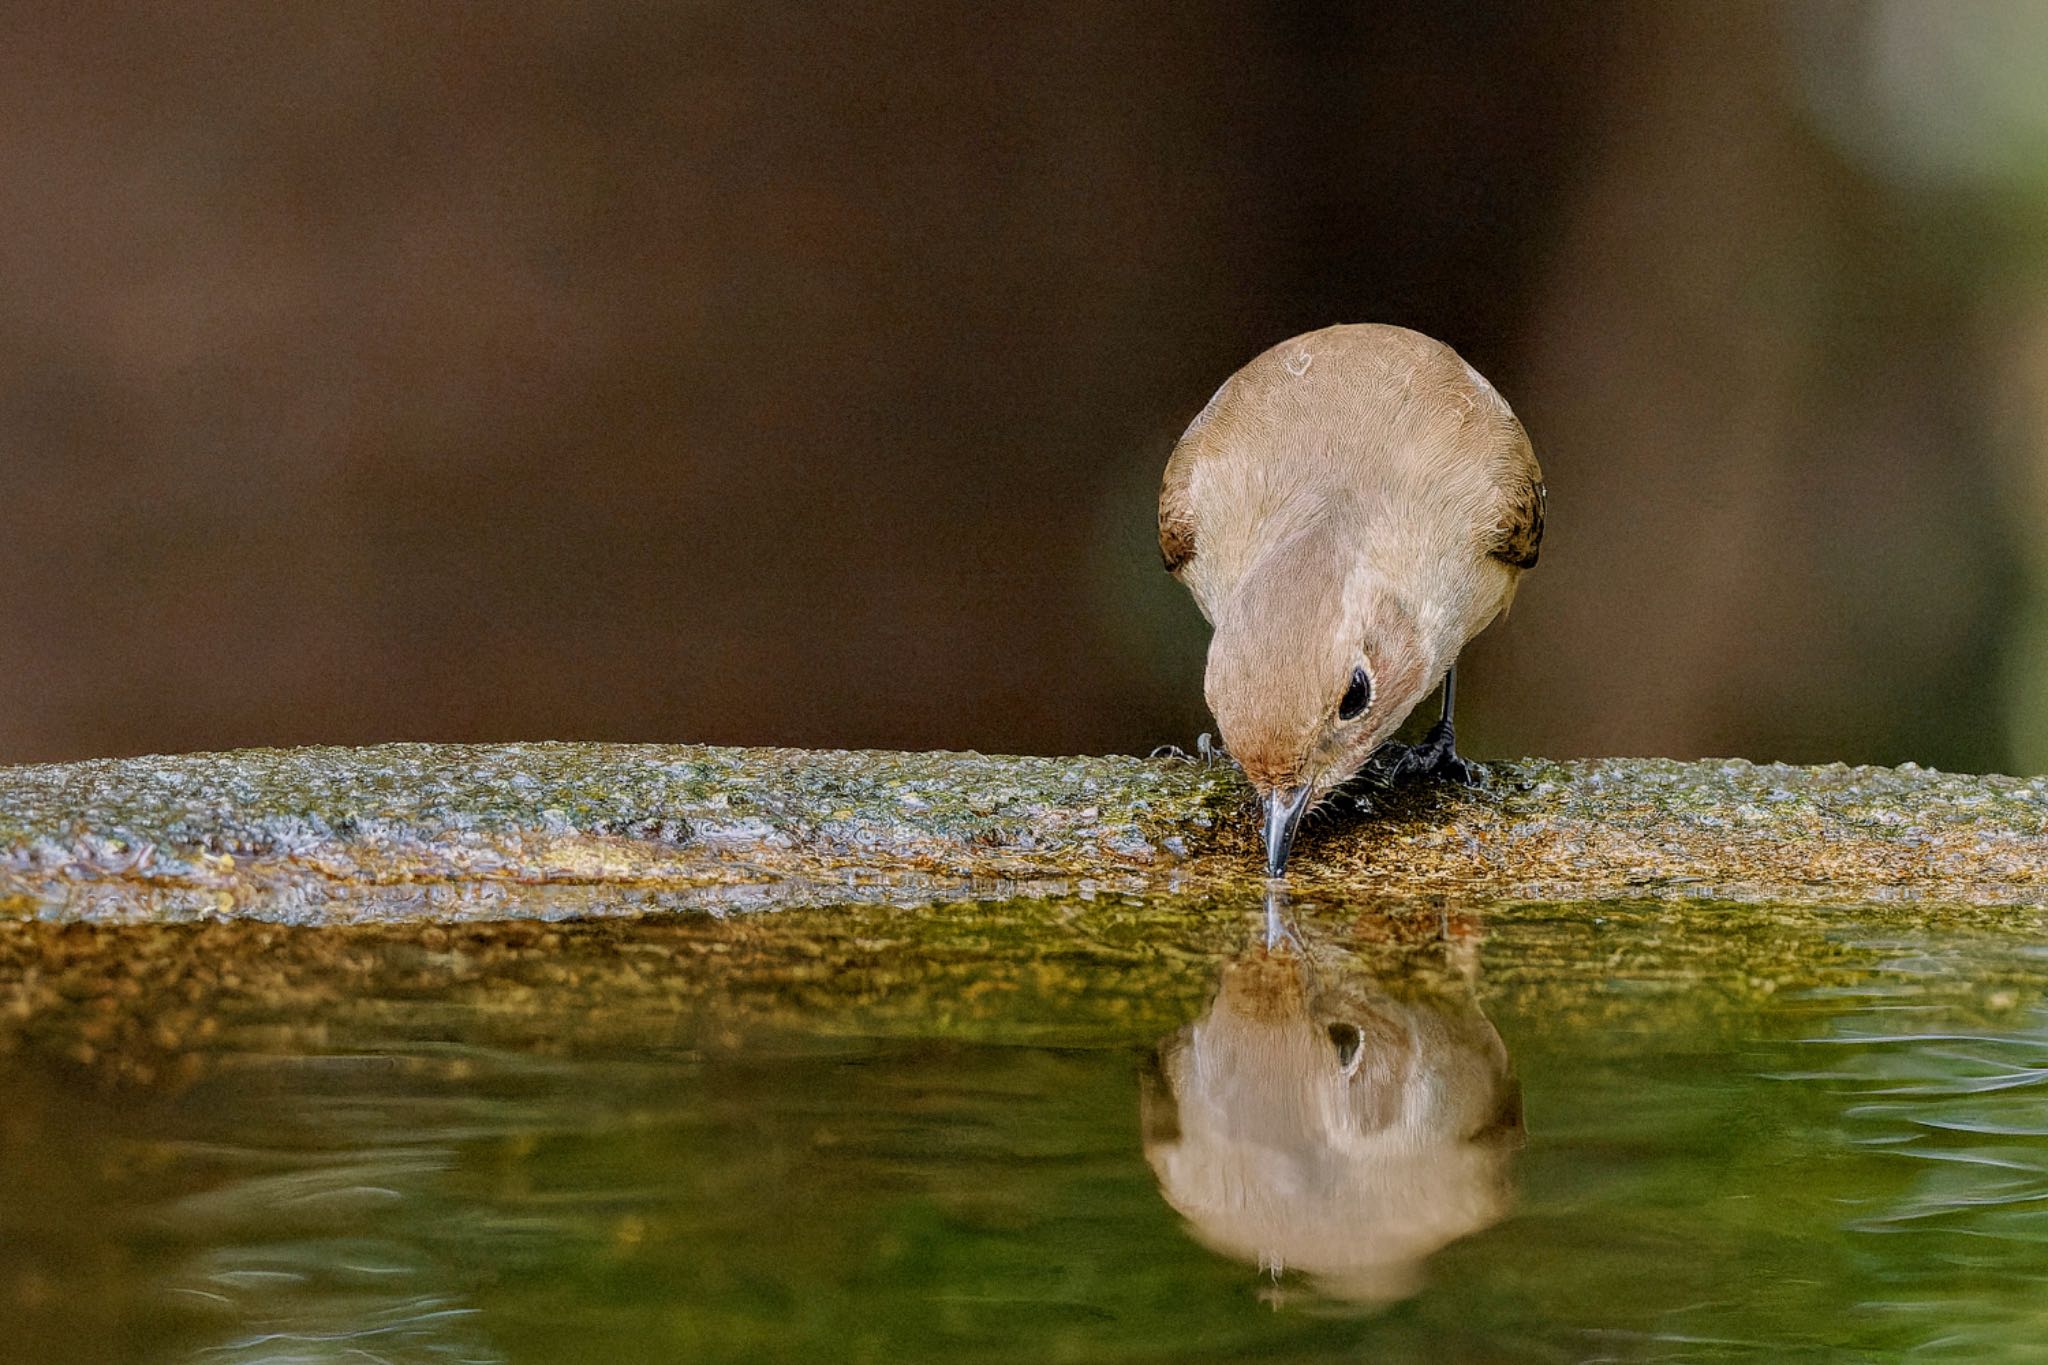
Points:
point(447, 832)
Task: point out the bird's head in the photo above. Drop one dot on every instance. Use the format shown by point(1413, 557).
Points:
point(1309, 671)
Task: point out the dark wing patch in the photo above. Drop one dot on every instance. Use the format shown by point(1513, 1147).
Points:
point(1176, 514)
point(1519, 536)
point(1176, 544)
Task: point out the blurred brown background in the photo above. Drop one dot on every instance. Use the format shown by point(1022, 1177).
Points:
point(801, 373)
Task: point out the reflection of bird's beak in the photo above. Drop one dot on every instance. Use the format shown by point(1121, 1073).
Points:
point(1278, 932)
point(1283, 816)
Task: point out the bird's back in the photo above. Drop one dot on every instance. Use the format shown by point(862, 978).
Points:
point(1375, 427)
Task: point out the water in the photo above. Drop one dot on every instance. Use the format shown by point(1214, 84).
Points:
point(1050, 1130)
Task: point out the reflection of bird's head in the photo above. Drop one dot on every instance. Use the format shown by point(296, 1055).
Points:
point(1340, 1132)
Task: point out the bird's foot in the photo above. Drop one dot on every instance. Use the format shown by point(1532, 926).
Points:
point(1435, 757)
point(1207, 752)
point(1352, 797)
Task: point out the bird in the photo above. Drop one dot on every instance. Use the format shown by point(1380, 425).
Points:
point(1348, 511)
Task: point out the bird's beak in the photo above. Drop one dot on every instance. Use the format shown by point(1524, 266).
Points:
point(1283, 815)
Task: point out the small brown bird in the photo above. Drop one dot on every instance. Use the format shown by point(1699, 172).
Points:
point(1348, 510)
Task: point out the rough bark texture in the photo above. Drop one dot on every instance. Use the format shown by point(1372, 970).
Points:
point(449, 832)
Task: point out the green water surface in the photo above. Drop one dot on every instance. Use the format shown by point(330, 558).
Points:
point(1036, 1131)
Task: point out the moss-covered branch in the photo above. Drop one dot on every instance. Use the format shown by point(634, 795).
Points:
point(458, 831)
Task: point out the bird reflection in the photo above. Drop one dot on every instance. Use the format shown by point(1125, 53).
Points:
point(1325, 1117)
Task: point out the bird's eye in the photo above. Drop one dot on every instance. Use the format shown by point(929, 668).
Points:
point(1356, 697)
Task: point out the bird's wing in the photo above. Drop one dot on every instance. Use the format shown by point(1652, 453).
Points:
point(1177, 509)
point(1518, 536)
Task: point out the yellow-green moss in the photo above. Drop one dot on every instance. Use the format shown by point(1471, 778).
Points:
point(454, 832)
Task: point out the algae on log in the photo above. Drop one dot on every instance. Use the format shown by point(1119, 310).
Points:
point(452, 831)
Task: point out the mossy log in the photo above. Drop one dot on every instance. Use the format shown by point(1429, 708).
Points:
point(456, 832)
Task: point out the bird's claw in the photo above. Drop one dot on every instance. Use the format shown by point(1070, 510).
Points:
point(1348, 800)
point(1207, 752)
point(1436, 756)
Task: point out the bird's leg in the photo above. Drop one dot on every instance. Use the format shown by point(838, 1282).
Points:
point(1436, 755)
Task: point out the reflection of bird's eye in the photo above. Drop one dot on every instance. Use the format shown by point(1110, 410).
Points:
point(1349, 1041)
point(1357, 696)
